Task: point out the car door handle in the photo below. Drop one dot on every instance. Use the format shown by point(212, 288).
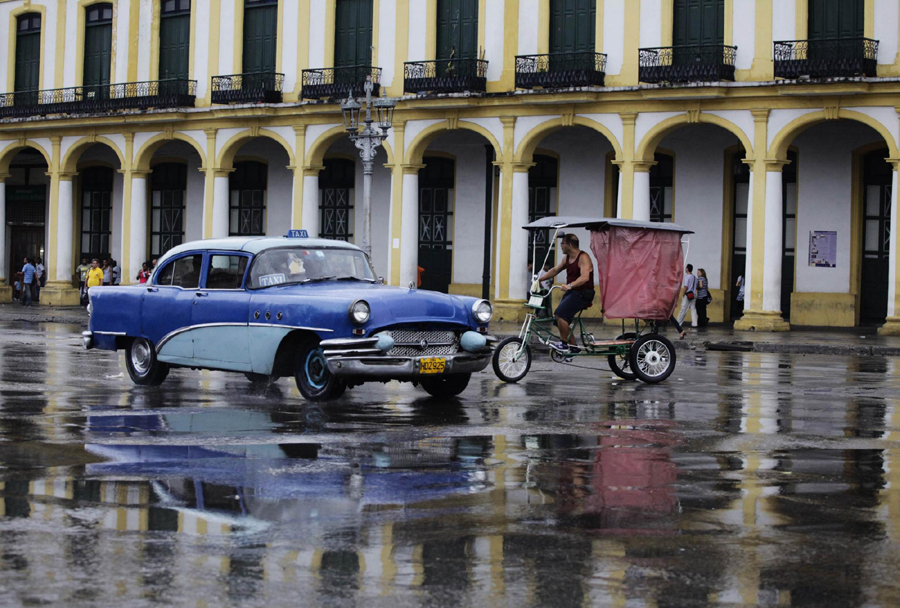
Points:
point(201, 294)
point(152, 289)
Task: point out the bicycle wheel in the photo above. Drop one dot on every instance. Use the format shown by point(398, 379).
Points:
point(621, 364)
point(511, 359)
point(652, 358)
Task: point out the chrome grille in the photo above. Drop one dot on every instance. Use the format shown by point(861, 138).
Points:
point(407, 343)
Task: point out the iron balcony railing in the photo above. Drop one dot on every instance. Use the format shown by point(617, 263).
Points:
point(253, 87)
point(445, 76)
point(334, 83)
point(688, 63)
point(560, 70)
point(97, 99)
point(833, 57)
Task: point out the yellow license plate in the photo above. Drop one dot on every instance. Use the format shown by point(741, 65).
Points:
point(432, 365)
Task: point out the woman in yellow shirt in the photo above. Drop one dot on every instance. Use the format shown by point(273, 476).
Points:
point(95, 274)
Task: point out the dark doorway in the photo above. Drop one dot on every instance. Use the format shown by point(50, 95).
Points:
point(353, 33)
point(336, 182)
point(829, 19)
point(26, 204)
point(175, 39)
point(573, 26)
point(789, 233)
point(97, 48)
point(436, 183)
point(698, 22)
point(26, 242)
point(877, 175)
point(168, 186)
point(457, 29)
point(28, 52)
point(247, 213)
point(96, 212)
point(662, 181)
point(260, 36)
point(741, 192)
point(543, 183)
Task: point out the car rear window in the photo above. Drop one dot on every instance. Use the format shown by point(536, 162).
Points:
point(226, 271)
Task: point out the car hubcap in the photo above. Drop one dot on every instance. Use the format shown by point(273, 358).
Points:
point(316, 369)
point(512, 362)
point(653, 358)
point(141, 357)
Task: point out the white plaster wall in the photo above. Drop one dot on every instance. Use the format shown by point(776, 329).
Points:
point(317, 35)
point(491, 124)
point(414, 128)
point(4, 40)
point(612, 122)
point(779, 119)
point(201, 51)
point(887, 116)
point(72, 9)
point(525, 124)
point(529, 27)
point(494, 37)
point(145, 11)
point(122, 42)
point(418, 24)
point(698, 191)
point(48, 53)
point(824, 155)
point(614, 34)
point(646, 121)
point(222, 137)
point(744, 21)
point(387, 17)
point(193, 213)
point(650, 23)
point(289, 45)
point(743, 119)
point(226, 37)
point(887, 13)
point(784, 20)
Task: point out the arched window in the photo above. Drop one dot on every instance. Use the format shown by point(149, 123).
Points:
point(175, 39)
point(248, 185)
point(28, 52)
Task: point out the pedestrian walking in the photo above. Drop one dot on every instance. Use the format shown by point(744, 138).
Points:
point(39, 279)
point(28, 278)
point(81, 273)
point(107, 272)
point(143, 274)
point(94, 275)
point(703, 297)
point(689, 298)
point(116, 272)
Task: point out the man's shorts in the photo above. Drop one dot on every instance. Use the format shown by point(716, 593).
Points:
point(572, 303)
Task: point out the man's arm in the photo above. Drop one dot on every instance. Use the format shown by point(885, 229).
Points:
point(554, 271)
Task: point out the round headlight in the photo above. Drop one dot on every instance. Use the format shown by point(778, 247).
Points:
point(482, 311)
point(359, 312)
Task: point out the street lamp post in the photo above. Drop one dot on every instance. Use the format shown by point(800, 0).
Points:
point(367, 141)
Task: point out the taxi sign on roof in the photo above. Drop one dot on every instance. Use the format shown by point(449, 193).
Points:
point(297, 234)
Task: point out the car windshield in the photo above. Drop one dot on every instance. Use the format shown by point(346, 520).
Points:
point(306, 265)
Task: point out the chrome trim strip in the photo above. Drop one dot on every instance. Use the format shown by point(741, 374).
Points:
point(345, 342)
point(181, 330)
point(112, 333)
point(289, 326)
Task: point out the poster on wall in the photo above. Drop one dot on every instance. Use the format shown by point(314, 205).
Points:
point(823, 248)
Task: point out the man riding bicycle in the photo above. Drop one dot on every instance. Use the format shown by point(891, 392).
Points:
point(579, 289)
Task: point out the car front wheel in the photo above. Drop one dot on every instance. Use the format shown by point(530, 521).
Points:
point(446, 386)
point(314, 381)
point(143, 366)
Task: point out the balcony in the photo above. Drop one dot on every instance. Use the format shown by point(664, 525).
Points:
point(829, 58)
point(445, 76)
point(689, 63)
point(338, 83)
point(257, 87)
point(173, 93)
point(560, 70)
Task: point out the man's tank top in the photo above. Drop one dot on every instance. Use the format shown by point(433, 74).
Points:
point(573, 272)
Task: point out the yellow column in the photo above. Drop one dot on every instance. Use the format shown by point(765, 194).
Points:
point(209, 182)
point(124, 263)
point(401, 48)
point(625, 202)
point(510, 46)
point(763, 68)
point(756, 317)
point(396, 202)
point(300, 154)
point(629, 74)
point(506, 309)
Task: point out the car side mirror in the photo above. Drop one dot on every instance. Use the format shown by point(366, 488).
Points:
point(381, 280)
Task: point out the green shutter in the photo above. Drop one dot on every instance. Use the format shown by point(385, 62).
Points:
point(573, 25)
point(97, 45)
point(353, 33)
point(457, 29)
point(699, 22)
point(260, 38)
point(174, 47)
point(28, 61)
point(836, 19)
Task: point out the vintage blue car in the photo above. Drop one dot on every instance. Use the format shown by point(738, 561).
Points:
point(271, 307)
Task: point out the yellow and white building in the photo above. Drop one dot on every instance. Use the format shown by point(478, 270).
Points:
point(769, 127)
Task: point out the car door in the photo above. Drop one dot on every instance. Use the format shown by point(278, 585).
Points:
point(167, 307)
point(219, 315)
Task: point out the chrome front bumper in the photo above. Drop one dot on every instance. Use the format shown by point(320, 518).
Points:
point(87, 340)
point(359, 358)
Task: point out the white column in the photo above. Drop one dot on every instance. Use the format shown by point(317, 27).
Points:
point(64, 229)
point(137, 250)
point(220, 208)
point(748, 266)
point(310, 219)
point(641, 204)
point(2, 229)
point(774, 248)
point(895, 244)
point(518, 242)
point(409, 227)
point(619, 195)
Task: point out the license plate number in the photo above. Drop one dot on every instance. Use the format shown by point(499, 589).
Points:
point(432, 365)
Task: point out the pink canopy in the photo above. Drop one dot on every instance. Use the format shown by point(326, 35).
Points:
point(639, 271)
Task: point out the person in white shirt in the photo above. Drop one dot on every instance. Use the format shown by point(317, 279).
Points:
point(689, 297)
point(116, 272)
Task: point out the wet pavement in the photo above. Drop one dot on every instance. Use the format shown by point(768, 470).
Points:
point(747, 478)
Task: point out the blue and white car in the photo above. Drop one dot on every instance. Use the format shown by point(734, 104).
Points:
point(270, 307)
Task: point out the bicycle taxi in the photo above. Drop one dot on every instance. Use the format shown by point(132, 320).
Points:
point(639, 269)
